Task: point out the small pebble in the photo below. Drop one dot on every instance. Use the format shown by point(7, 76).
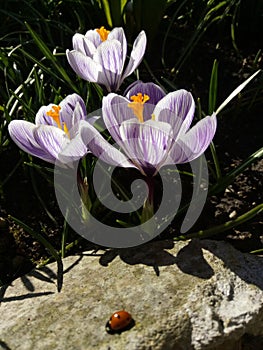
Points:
point(233, 214)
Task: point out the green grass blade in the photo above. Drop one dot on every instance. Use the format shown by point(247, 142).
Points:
point(213, 88)
point(237, 91)
point(230, 177)
point(49, 55)
point(223, 227)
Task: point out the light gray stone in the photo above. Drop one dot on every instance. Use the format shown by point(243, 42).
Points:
point(183, 295)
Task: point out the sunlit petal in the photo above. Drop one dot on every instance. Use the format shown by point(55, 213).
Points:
point(109, 56)
point(146, 144)
point(73, 110)
point(136, 55)
point(108, 51)
point(22, 133)
point(194, 143)
point(83, 65)
point(50, 139)
point(176, 108)
point(93, 36)
point(118, 34)
point(101, 148)
point(83, 45)
point(115, 110)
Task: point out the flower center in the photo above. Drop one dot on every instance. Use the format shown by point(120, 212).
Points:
point(137, 105)
point(103, 33)
point(54, 114)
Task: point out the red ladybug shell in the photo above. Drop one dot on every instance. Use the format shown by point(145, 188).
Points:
point(119, 320)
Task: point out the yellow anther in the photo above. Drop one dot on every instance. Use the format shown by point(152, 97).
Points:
point(54, 114)
point(137, 105)
point(65, 129)
point(103, 33)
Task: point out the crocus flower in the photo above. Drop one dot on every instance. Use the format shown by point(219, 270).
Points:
point(150, 135)
point(56, 126)
point(99, 56)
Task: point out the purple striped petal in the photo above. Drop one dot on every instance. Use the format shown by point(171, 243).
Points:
point(115, 110)
point(51, 140)
point(146, 144)
point(83, 45)
point(152, 90)
point(23, 134)
point(194, 143)
point(43, 118)
point(93, 36)
point(83, 66)
point(101, 148)
point(72, 111)
point(119, 35)
point(109, 56)
point(176, 108)
point(136, 55)
point(73, 150)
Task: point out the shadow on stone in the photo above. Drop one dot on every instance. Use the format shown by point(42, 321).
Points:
point(49, 272)
point(242, 264)
point(4, 346)
point(74, 264)
point(190, 260)
point(150, 254)
point(27, 283)
point(24, 296)
point(40, 276)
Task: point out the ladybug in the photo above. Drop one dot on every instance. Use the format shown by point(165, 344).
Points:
point(119, 322)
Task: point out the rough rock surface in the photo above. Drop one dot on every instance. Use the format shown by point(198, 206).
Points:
point(185, 295)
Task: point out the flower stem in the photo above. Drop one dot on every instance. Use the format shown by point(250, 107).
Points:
point(148, 207)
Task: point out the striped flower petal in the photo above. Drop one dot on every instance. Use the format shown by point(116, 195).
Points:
point(56, 127)
point(119, 35)
point(72, 111)
point(146, 144)
point(101, 148)
point(23, 134)
point(176, 108)
point(83, 45)
point(194, 143)
point(99, 56)
point(109, 57)
point(115, 110)
point(50, 139)
point(83, 65)
point(136, 55)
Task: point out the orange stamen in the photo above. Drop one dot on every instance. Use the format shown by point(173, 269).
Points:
point(103, 33)
point(54, 114)
point(137, 105)
point(65, 129)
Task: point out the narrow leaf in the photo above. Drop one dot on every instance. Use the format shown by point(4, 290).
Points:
point(237, 91)
point(213, 88)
